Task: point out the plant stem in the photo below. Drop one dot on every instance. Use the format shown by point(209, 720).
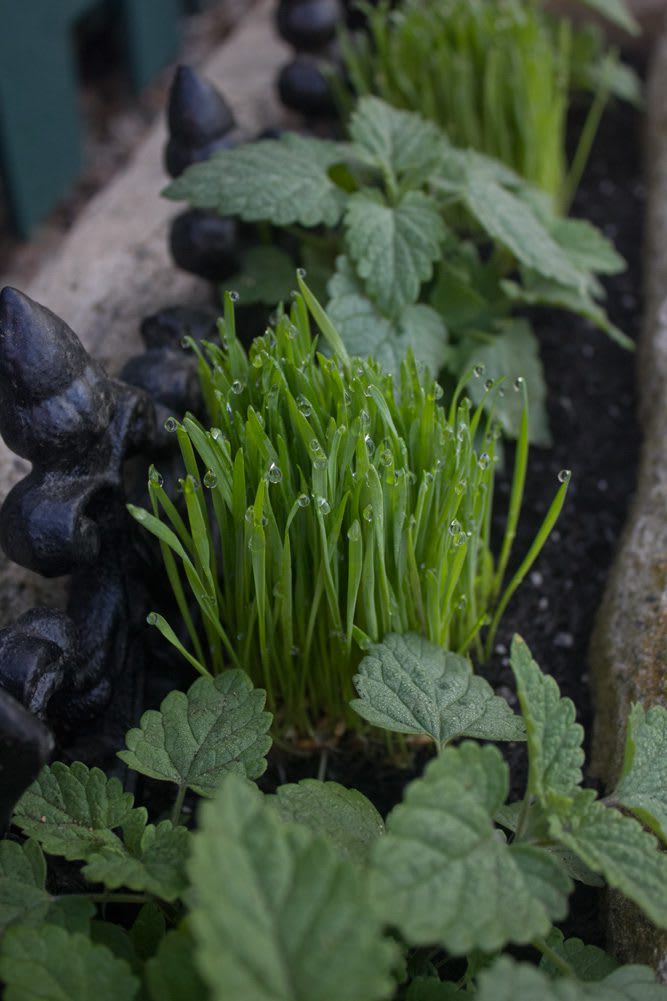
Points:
point(178, 806)
point(553, 957)
point(110, 898)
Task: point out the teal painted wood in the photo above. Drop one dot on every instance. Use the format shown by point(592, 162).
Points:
point(40, 128)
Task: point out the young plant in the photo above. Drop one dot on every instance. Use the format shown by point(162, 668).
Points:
point(433, 247)
point(337, 507)
point(308, 894)
point(497, 77)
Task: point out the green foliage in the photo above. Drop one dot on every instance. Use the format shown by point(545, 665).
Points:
point(497, 77)
point(409, 685)
point(642, 787)
point(303, 895)
point(342, 505)
point(410, 219)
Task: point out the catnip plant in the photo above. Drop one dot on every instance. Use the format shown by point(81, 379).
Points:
point(499, 77)
point(308, 893)
point(328, 505)
point(414, 243)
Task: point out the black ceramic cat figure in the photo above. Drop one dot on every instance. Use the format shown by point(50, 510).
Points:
point(79, 671)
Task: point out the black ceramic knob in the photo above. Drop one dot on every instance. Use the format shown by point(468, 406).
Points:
point(205, 244)
point(199, 119)
point(168, 376)
point(167, 327)
point(303, 87)
point(308, 25)
point(179, 156)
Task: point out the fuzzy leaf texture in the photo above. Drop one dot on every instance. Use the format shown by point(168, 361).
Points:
point(367, 332)
point(51, 964)
point(283, 181)
point(643, 784)
point(443, 875)
point(344, 816)
point(396, 142)
point(276, 914)
point(555, 753)
point(506, 980)
point(196, 738)
point(587, 961)
point(617, 848)
point(171, 974)
point(23, 896)
point(154, 861)
point(72, 810)
point(410, 685)
point(394, 247)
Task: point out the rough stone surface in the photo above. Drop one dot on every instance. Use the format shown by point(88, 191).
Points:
point(113, 268)
point(629, 646)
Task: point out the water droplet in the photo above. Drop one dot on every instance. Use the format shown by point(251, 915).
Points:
point(438, 391)
point(216, 434)
point(275, 473)
point(250, 514)
point(368, 513)
point(239, 637)
point(386, 457)
point(518, 383)
point(478, 371)
point(304, 406)
point(320, 462)
point(462, 602)
point(454, 527)
point(301, 272)
point(152, 618)
point(156, 477)
point(294, 651)
point(501, 392)
point(256, 543)
point(303, 500)
point(368, 392)
point(564, 475)
point(186, 343)
point(323, 505)
point(210, 479)
point(237, 387)
point(170, 424)
point(315, 445)
point(483, 461)
point(354, 532)
point(460, 487)
point(488, 384)
point(428, 476)
point(258, 358)
point(370, 444)
point(234, 296)
point(229, 410)
point(364, 417)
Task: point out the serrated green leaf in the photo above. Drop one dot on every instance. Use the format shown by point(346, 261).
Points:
point(196, 738)
point(615, 11)
point(148, 930)
point(266, 276)
point(510, 221)
point(555, 754)
point(396, 142)
point(71, 810)
point(409, 685)
point(642, 787)
point(393, 246)
point(171, 974)
point(51, 964)
point(158, 866)
point(442, 874)
point(277, 915)
point(507, 980)
point(116, 940)
point(587, 962)
point(428, 989)
point(586, 247)
point(23, 897)
point(512, 353)
point(617, 848)
point(283, 181)
point(367, 333)
point(344, 816)
point(537, 291)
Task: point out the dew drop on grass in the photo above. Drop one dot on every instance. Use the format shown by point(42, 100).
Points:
point(564, 475)
point(216, 434)
point(370, 444)
point(488, 384)
point(303, 500)
point(275, 473)
point(438, 391)
point(170, 424)
point(237, 387)
point(461, 603)
point(156, 477)
point(364, 417)
point(368, 513)
point(483, 461)
point(460, 487)
point(518, 383)
point(304, 406)
point(294, 651)
point(152, 618)
point(454, 527)
point(234, 296)
point(320, 462)
point(478, 371)
point(323, 505)
point(315, 445)
point(354, 532)
point(386, 457)
point(301, 272)
point(186, 343)
point(255, 543)
point(210, 479)
point(250, 514)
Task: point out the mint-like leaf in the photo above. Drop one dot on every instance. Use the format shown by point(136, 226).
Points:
point(617, 848)
point(71, 810)
point(442, 874)
point(394, 247)
point(366, 332)
point(23, 896)
point(196, 738)
point(615, 11)
point(507, 980)
point(429, 989)
point(344, 816)
point(51, 964)
point(283, 181)
point(156, 865)
point(171, 974)
point(642, 787)
point(396, 142)
point(587, 962)
point(513, 352)
point(555, 753)
point(276, 914)
point(409, 685)
point(586, 247)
